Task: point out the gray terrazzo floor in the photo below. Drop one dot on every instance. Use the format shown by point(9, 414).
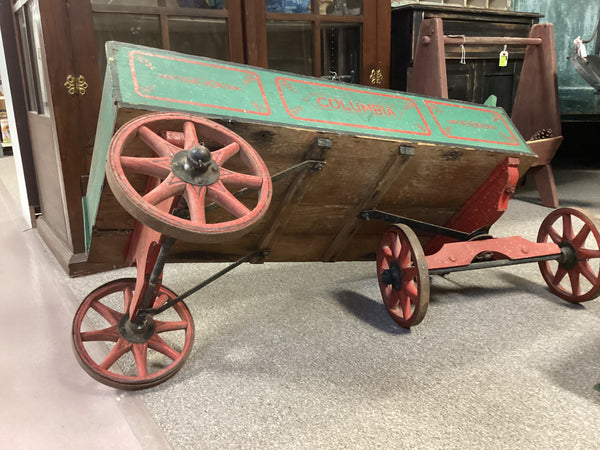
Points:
point(305, 356)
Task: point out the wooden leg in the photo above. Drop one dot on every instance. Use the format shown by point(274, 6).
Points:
point(544, 181)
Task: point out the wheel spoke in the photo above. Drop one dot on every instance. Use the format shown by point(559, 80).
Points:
point(160, 146)
point(220, 195)
point(120, 348)
point(154, 167)
point(393, 299)
point(409, 274)
point(222, 155)
point(387, 251)
point(555, 236)
point(190, 137)
point(575, 284)
point(567, 228)
point(127, 298)
point(412, 290)
point(584, 254)
point(162, 327)
point(140, 354)
point(112, 317)
point(579, 240)
point(171, 187)
point(156, 343)
point(405, 305)
point(586, 270)
point(110, 334)
point(396, 247)
point(195, 196)
point(160, 300)
point(558, 277)
point(240, 179)
point(404, 256)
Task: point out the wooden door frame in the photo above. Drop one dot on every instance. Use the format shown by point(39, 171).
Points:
point(18, 100)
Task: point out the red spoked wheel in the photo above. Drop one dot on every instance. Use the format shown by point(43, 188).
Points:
point(403, 276)
point(195, 163)
point(575, 276)
point(140, 356)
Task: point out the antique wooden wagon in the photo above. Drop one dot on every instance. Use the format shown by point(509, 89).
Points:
point(214, 161)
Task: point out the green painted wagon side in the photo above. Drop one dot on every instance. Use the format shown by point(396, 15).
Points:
point(432, 153)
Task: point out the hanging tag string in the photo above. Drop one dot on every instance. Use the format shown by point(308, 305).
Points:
point(463, 53)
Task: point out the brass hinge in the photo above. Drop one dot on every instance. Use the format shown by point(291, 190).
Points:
point(376, 77)
point(76, 85)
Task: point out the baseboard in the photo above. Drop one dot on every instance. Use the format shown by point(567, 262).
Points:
point(69, 261)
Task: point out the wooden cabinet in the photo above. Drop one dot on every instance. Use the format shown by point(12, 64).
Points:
point(476, 77)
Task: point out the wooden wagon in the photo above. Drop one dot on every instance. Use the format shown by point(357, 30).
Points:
point(214, 161)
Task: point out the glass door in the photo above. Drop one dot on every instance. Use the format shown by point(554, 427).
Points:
point(210, 28)
point(335, 39)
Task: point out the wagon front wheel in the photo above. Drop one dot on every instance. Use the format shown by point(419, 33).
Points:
point(139, 355)
point(403, 276)
point(575, 277)
point(178, 174)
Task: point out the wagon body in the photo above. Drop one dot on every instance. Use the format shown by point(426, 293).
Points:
point(410, 155)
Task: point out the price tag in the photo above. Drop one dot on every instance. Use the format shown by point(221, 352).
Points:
point(503, 61)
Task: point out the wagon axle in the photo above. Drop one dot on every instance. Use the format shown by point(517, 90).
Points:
point(569, 237)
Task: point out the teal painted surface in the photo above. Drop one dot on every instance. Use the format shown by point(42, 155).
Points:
point(161, 80)
point(571, 19)
point(104, 132)
point(151, 79)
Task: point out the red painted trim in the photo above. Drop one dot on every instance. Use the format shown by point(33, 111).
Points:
point(393, 130)
point(450, 136)
point(189, 102)
point(460, 254)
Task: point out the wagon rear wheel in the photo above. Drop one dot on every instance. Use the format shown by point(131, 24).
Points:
point(140, 356)
point(192, 162)
point(403, 276)
point(575, 277)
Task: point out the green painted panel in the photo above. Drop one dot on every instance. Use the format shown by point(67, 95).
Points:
point(150, 79)
point(160, 80)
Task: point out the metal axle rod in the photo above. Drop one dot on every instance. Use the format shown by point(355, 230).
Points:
point(170, 303)
point(421, 226)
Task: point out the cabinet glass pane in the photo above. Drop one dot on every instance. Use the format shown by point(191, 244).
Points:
point(341, 51)
point(289, 6)
point(202, 4)
point(289, 46)
point(341, 7)
point(202, 37)
point(126, 2)
point(130, 28)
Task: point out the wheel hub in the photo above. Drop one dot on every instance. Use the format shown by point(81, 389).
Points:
point(196, 166)
point(568, 255)
point(392, 276)
point(135, 332)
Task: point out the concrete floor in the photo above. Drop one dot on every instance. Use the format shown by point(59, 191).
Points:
point(305, 356)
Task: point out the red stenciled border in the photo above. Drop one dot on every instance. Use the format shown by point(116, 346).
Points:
point(188, 102)
point(428, 103)
point(277, 82)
